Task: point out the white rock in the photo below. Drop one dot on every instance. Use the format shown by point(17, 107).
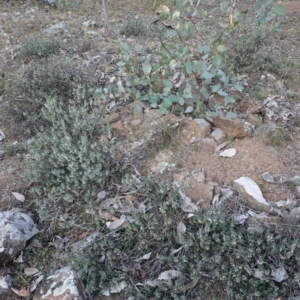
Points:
point(251, 191)
point(228, 152)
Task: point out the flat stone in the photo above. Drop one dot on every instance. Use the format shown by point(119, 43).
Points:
point(62, 285)
point(254, 120)
point(200, 193)
point(204, 127)
point(118, 129)
point(252, 193)
point(233, 128)
point(56, 29)
point(218, 135)
point(135, 123)
point(112, 118)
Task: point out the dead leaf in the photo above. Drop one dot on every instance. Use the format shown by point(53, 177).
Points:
point(30, 271)
point(25, 292)
point(18, 196)
point(115, 224)
point(146, 256)
point(107, 216)
point(19, 259)
point(168, 275)
point(176, 250)
point(188, 286)
point(279, 274)
point(181, 228)
point(83, 235)
point(35, 284)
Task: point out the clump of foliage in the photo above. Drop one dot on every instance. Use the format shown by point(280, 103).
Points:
point(207, 255)
point(41, 80)
point(187, 68)
point(36, 47)
point(67, 159)
point(250, 44)
point(134, 27)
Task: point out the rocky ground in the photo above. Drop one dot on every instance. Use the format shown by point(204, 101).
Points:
point(213, 153)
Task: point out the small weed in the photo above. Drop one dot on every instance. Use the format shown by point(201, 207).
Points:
point(276, 137)
point(134, 27)
point(35, 47)
point(292, 185)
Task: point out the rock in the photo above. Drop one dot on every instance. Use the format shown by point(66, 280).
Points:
point(199, 192)
point(118, 129)
point(254, 120)
point(228, 152)
point(218, 135)
point(233, 128)
point(207, 145)
point(267, 177)
point(251, 191)
point(135, 123)
point(89, 23)
point(16, 229)
point(112, 118)
point(204, 127)
point(62, 285)
point(2, 135)
point(295, 214)
point(57, 29)
point(5, 283)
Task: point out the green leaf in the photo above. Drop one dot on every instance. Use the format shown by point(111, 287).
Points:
point(208, 75)
point(238, 87)
point(153, 105)
point(228, 99)
point(221, 48)
point(217, 61)
point(188, 67)
point(224, 6)
point(188, 88)
point(168, 83)
point(173, 63)
point(146, 68)
point(268, 2)
point(231, 115)
point(171, 33)
point(181, 101)
point(258, 4)
point(278, 9)
point(189, 109)
point(215, 87)
point(162, 110)
point(167, 102)
point(256, 32)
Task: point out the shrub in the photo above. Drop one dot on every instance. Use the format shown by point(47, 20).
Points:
point(187, 67)
point(41, 80)
point(67, 160)
point(215, 257)
point(36, 47)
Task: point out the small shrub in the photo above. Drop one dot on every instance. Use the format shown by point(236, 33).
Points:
point(67, 161)
point(216, 258)
point(41, 80)
point(35, 47)
point(134, 28)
